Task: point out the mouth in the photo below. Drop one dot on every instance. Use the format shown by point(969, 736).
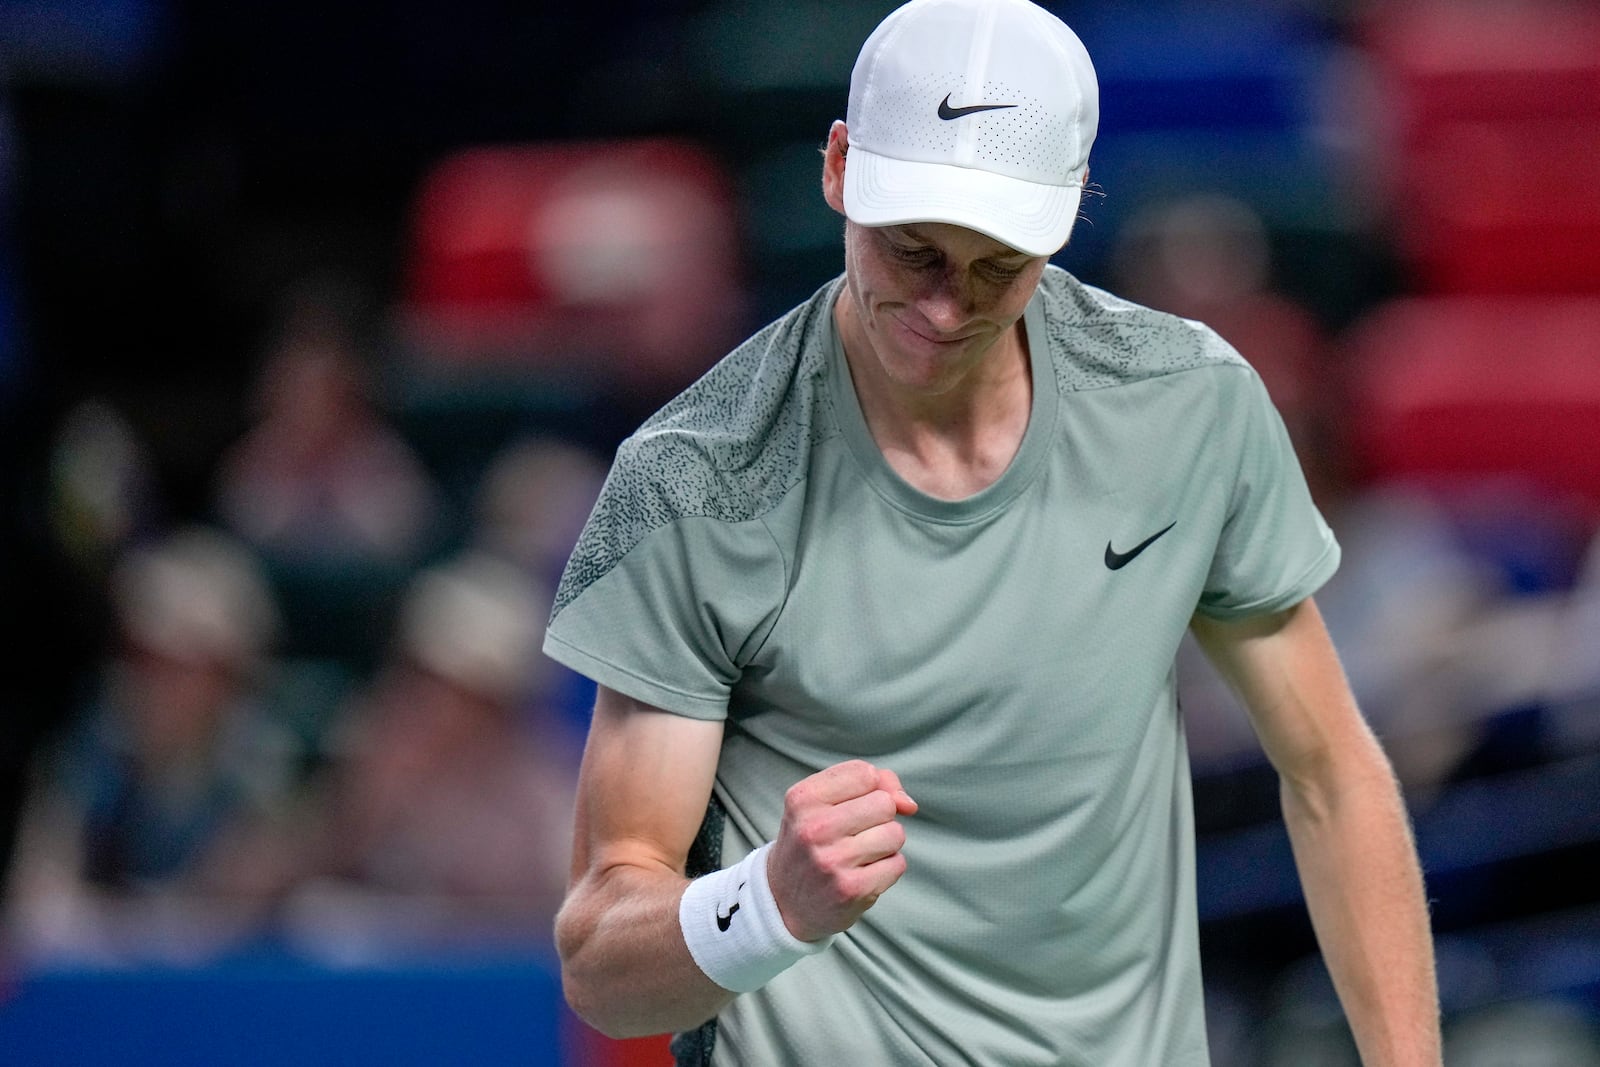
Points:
point(934, 339)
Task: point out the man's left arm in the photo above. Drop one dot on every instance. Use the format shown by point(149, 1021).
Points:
point(1347, 824)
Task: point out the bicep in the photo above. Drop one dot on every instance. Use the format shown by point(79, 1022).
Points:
point(643, 786)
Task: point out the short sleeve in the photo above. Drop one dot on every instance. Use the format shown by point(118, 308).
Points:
point(1275, 549)
point(665, 599)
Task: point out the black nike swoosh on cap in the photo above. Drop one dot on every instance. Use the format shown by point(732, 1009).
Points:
point(1117, 560)
point(947, 112)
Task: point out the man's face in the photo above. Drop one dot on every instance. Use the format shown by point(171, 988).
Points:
point(931, 299)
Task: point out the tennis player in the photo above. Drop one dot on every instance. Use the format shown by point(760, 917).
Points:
point(886, 765)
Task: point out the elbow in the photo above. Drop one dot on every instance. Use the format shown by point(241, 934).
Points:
point(590, 1002)
point(1317, 791)
point(588, 1005)
point(577, 982)
point(613, 1007)
point(583, 984)
point(615, 974)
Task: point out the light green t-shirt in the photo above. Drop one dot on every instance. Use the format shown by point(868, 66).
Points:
point(753, 557)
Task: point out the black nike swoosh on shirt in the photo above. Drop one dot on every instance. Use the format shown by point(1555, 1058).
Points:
point(947, 112)
point(1117, 560)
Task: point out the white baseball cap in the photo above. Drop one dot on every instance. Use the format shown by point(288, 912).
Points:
point(973, 112)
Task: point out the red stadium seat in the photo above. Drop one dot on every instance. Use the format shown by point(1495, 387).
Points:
point(1495, 113)
point(1498, 60)
point(1505, 207)
point(1448, 388)
point(616, 259)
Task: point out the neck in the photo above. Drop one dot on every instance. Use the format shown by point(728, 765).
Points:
point(954, 442)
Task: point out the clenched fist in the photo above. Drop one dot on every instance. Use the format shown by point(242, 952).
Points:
point(838, 848)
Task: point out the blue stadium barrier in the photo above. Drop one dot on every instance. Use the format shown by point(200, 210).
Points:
point(277, 1012)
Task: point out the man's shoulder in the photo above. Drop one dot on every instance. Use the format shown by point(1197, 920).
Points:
point(1099, 340)
point(738, 438)
point(729, 448)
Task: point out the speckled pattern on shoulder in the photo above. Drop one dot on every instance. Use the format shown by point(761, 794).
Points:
point(729, 447)
point(1098, 340)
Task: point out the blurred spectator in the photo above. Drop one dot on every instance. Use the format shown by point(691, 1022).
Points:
point(1208, 257)
point(444, 818)
point(78, 489)
point(172, 757)
point(103, 491)
point(321, 475)
point(531, 504)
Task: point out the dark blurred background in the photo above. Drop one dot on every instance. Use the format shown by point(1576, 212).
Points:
point(318, 327)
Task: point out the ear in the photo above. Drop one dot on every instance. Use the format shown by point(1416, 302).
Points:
point(833, 161)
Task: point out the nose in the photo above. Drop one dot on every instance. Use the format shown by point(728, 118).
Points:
point(946, 300)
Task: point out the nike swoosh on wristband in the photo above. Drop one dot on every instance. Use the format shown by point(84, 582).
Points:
point(947, 112)
point(1117, 560)
point(724, 921)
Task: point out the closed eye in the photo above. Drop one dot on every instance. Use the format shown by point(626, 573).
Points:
point(1002, 274)
point(916, 257)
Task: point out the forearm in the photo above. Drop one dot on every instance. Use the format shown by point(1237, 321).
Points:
point(624, 965)
point(1363, 886)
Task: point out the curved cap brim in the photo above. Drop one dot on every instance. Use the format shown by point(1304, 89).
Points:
point(1029, 216)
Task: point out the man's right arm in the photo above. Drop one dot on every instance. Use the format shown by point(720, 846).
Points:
point(642, 794)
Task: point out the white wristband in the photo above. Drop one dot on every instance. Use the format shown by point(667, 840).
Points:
point(733, 928)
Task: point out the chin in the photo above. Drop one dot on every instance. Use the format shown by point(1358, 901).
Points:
point(932, 372)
